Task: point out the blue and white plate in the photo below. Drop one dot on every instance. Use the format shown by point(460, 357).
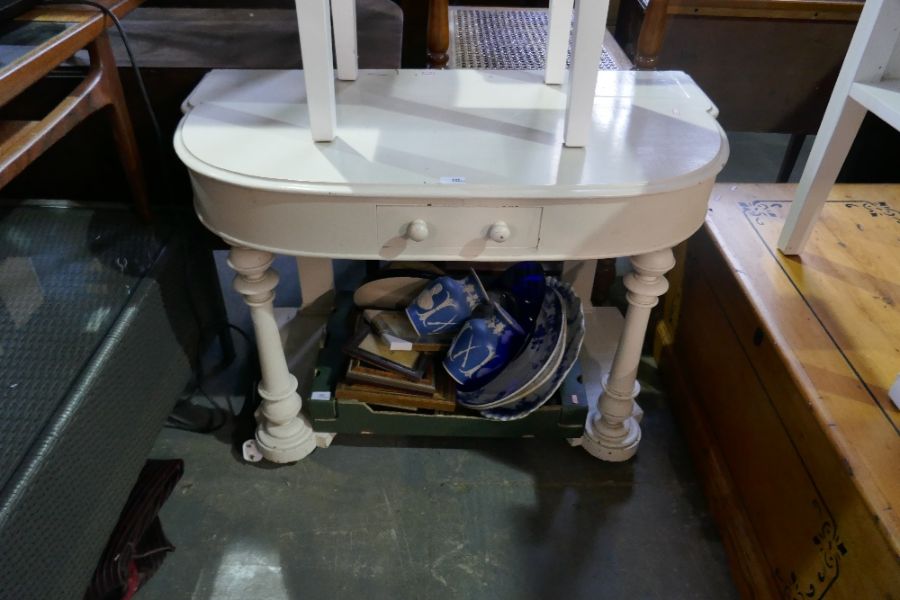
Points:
point(574, 338)
point(533, 365)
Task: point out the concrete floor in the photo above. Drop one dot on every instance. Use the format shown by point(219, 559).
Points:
point(442, 518)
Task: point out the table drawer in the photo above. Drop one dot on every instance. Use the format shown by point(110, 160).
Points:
point(457, 229)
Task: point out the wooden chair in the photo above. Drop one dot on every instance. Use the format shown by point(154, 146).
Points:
point(22, 142)
point(869, 81)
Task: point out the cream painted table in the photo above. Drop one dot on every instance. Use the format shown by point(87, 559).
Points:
point(450, 165)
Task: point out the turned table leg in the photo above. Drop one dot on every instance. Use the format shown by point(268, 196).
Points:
point(611, 432)
point(283, 434)
point(438, 33)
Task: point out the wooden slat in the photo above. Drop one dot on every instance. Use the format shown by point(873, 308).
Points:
point(824, 10)
point(22, 73)
point(9, 129)
point(833, 317)
point(79, 12)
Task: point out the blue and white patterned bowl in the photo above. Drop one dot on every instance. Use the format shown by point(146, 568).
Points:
point(536, 362)
point(574, 337)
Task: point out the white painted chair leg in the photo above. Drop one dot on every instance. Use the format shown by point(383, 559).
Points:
point(612, 431)
point(872, 55)
point(558, 29)
point(343, 16)
point(314, 22)
point(825, 159)
point(283, 434)
point(590, 29)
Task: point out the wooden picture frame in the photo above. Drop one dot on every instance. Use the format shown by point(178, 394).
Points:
point(368, 347)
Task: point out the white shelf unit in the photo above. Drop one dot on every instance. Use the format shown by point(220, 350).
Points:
point(881, 98)
point(869, 81)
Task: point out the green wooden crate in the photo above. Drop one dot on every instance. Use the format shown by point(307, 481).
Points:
point(563, 416)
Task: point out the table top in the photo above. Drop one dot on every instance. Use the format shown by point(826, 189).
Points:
point(454, 133)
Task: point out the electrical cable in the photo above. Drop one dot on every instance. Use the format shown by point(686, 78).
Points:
point(219, 416)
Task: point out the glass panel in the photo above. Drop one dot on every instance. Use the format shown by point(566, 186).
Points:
point(18, 38)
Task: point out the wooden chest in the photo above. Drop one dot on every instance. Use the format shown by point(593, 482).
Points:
point(780, 369)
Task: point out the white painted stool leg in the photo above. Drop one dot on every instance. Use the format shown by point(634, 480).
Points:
point(343, 16)
point(590, 29)
point(283, 434)
point(314, 22)
point(612, 432)
point(558, 29)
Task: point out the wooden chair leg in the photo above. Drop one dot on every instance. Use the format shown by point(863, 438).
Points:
point(653, 32)
point(438, 33)
point(110, 92)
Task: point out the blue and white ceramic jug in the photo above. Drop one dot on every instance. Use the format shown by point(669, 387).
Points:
point(445, 304)
point(483, 347)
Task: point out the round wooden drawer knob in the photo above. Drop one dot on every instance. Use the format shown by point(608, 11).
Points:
point(499, 232)
point(417, 230)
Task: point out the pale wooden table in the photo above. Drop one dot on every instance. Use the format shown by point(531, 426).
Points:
point(477, 157)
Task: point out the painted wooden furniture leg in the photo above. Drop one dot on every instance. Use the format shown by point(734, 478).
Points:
point(580, 275)
point(590, 28)
point(316, 285)
point(343, 16)
point(868, 61)
point(314, 22)
point(825, 159)
point(283, 434)
point(559, 28)
point(612, 432)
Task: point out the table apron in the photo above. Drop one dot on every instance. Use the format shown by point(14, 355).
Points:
point(458, 229)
